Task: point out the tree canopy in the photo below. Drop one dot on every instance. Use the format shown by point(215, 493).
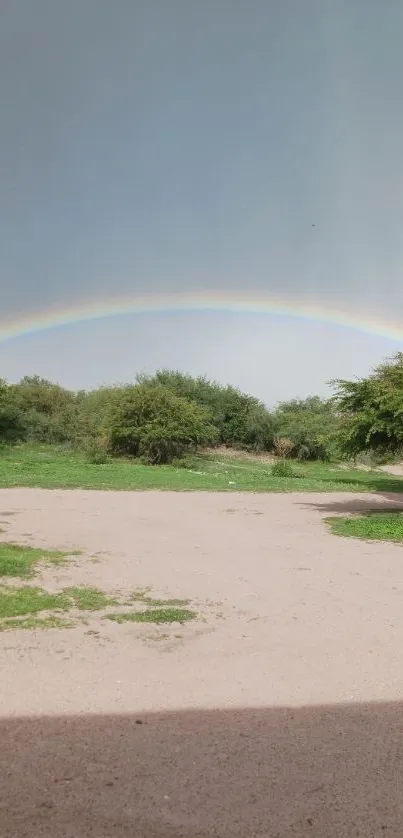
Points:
point(12, 426)
point(154, 423)
point(311, 425)
point(169, 414)
point(372, 410)
point(240, 420)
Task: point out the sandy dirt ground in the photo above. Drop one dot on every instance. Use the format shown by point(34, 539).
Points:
point(277, 713)
point(394, 468)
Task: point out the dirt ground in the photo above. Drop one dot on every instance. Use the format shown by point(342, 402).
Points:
point(277, 713)
point(394, 468)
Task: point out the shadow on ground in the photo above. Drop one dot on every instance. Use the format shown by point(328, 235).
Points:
point(324, 772)
point(382, 502)
point(372, 483)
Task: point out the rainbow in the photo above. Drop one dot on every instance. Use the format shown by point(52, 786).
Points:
point(204, 301)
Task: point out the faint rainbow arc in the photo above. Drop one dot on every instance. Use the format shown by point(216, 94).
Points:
point(211, 301)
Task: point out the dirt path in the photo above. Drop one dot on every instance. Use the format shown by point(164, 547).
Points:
point(396, 469)
point(291, 618)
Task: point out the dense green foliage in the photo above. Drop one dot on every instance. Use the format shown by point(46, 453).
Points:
point(371, 410)
point(311, 425)
point(12, 426)
point(152, 422)
point(240, 420)
point(46, 411)
point(159, 418)
point(164, 417)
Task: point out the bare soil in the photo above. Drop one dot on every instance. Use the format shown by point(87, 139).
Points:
point(394, 468)
point(277, 713)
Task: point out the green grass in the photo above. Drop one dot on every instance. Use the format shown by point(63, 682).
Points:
point(31, 623)
point(89, 599)
point(18, 560)
point(17, 602)
point(24, 607)
point(20, 606)
point(156, 615)
point(372, 526)
point(53, 467)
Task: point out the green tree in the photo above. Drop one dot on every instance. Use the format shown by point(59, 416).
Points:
point(258, 431)
point(311, 424)
point(154, 423)
point(241, 421)
point(12, 427)
point(50, 413)
point(372, 410)
point(95, 407)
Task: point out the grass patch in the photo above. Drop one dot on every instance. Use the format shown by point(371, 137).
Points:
point(18, 560)
point(52, 467)
point(371, 526)
point(24, 607)
point(89, 599)
point(17, 602)
point(155, 615)
point(35, 623)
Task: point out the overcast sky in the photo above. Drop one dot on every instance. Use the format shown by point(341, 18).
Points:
point(179, 144)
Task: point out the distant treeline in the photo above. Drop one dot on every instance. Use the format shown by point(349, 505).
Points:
point(164, 417)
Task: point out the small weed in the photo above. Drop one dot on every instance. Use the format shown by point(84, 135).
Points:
point(142, 596)
point(166, 603)
point(372, 526)
point(157, 615)
point(17, 560)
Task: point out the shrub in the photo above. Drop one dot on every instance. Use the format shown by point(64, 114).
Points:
point(314, 449)
point(12, 427)
point(283, 469)
point(96, 452)
point(155, 424)
point(372, 410)
point(35, 393)
point(189, 463)
point(304, 452)
point(50, 414)
point(258, 434)
point(312, 425)
point(95, 407)
point(283, 447)
point(54, 429)
point(241, 421)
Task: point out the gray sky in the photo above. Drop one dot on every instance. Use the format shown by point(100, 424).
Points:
point(175, 144)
